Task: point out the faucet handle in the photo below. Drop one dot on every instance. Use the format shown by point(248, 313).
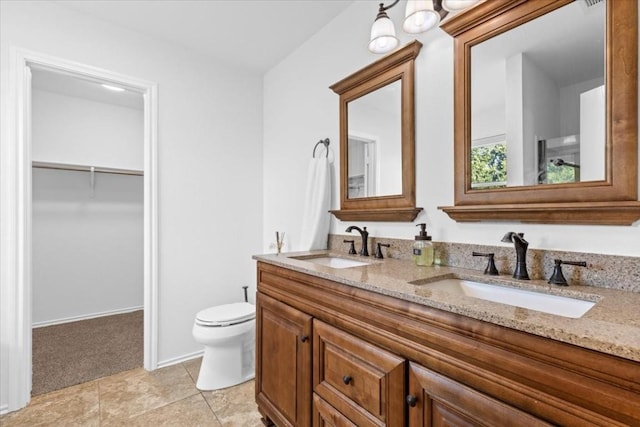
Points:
point(378, 253)
point(491, 265)
point(557, 278)
point(352, 247)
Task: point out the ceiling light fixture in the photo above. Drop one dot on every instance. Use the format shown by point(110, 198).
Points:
point(383, 34)
point(113, 88)
point(420, 16)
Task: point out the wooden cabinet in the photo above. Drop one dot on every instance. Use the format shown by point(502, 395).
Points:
point(329, 354)
point(435, 400)
point(283, 363)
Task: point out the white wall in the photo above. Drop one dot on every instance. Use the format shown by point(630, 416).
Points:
point(210, 157)
point(87, 246)
point(87, 251)
point(80, 131)
point(592, 134)
point(541, 114)
point(488, 123)
point(299, 109)
point(570, 105)
point(514, 118)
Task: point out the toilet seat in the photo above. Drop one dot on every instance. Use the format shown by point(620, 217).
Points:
point(226, 315)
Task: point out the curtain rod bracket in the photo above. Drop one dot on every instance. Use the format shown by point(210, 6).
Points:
point(92, 180)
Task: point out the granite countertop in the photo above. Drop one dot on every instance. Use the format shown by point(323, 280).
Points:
point(611, 326)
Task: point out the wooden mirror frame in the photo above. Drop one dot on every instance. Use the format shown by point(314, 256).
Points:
point(612, 201)
point(393, 67)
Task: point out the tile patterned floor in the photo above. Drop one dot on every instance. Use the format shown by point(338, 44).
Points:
point(165, 397)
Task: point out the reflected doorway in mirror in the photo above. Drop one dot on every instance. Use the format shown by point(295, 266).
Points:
point(362, 167)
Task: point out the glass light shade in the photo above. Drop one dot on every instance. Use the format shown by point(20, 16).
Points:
point(383, 36)
point(457, 5)
point(420, 16)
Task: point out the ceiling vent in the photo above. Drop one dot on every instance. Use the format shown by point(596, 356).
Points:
point(590, 3)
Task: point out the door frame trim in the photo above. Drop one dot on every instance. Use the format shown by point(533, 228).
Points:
point(15, 218)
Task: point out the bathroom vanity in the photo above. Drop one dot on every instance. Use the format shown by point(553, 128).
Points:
point(374, 345)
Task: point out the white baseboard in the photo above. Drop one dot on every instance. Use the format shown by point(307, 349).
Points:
point(180, 359)
point(4, 409)
point(85, 317)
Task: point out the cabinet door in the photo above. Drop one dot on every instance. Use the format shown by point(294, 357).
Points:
point(437, 401)
point(283, 363)
point(362, 381)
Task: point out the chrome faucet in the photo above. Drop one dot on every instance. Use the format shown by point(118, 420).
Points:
point(521, 246)
point(365, 235)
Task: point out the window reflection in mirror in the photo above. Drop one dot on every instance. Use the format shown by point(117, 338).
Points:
point(375, 143)
point(489, 162)
point(538, 101)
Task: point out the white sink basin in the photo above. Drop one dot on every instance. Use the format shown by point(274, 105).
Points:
point(333, 262)
point(547, 303)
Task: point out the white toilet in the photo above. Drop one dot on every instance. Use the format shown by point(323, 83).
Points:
point(228, 335)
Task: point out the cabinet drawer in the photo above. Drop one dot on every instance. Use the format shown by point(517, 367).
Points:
point(325, 415)
point(360, 380)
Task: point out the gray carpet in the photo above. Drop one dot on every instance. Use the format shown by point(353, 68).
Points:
point(77, 352)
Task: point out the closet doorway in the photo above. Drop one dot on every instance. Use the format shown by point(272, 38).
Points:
point(87, 229)
point(25, 196)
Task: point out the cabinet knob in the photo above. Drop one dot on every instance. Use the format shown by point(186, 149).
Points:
point(304, 338)
point(347, 379)
point(411, 400)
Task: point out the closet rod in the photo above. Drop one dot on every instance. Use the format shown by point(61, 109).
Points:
point(82, 168)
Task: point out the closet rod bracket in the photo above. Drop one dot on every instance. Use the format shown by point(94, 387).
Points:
point(92, 179)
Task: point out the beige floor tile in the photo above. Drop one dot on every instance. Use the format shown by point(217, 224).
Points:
point(193, 367)
point(72, 406)
point(166, 397)
point(235, 406)
point(129, 394)
point(190, 412)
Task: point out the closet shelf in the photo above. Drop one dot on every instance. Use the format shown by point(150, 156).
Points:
point(85, 168)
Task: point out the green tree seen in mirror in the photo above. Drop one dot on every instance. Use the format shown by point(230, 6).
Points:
point(489, 166)
point(560, 174)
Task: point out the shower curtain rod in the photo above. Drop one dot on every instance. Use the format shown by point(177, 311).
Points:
point(83, 168)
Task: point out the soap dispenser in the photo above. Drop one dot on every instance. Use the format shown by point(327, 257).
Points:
point(422, 247)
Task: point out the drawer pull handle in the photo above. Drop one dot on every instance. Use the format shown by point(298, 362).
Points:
point(347, 379)
point(304, 338)
point(411, 400)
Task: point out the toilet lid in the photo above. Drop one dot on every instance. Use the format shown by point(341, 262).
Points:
point(228, 314)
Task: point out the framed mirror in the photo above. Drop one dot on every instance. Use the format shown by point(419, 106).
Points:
point(546, 112)
point(377, 140)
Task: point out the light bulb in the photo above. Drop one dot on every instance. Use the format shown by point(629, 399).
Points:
point(457, 5)
point(420, 16)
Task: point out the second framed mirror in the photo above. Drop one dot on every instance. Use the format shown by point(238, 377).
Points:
point(546, 112)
